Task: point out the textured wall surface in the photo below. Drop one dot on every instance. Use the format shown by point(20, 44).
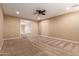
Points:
point(11, 26)
point(64, 26)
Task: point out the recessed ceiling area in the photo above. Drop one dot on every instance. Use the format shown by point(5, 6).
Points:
point(26, 10)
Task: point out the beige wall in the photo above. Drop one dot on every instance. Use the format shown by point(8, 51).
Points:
point(1, 24)
point(44, 27)
point(11, 26)
point(35, 27)
point(65, 26)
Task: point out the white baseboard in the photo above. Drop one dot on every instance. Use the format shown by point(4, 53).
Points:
point(61, 39)
point(47, 37)
point(11, 38)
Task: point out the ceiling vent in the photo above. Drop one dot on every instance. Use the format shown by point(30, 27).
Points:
point(75, 5)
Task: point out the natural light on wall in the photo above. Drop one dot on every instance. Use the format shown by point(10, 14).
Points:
point(25, 27)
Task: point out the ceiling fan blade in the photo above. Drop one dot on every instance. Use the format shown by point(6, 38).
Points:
point(44, 11)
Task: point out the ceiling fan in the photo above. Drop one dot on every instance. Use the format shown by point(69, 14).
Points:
point(40, 12)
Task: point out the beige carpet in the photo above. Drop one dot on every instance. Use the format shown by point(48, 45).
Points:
point(18, 47)
point(37, 46)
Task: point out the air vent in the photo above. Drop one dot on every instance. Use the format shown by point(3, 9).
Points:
point(75, 5)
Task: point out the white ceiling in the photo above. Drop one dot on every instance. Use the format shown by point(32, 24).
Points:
point(27, 9)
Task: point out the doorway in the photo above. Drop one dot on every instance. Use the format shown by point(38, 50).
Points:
point(25, 27)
